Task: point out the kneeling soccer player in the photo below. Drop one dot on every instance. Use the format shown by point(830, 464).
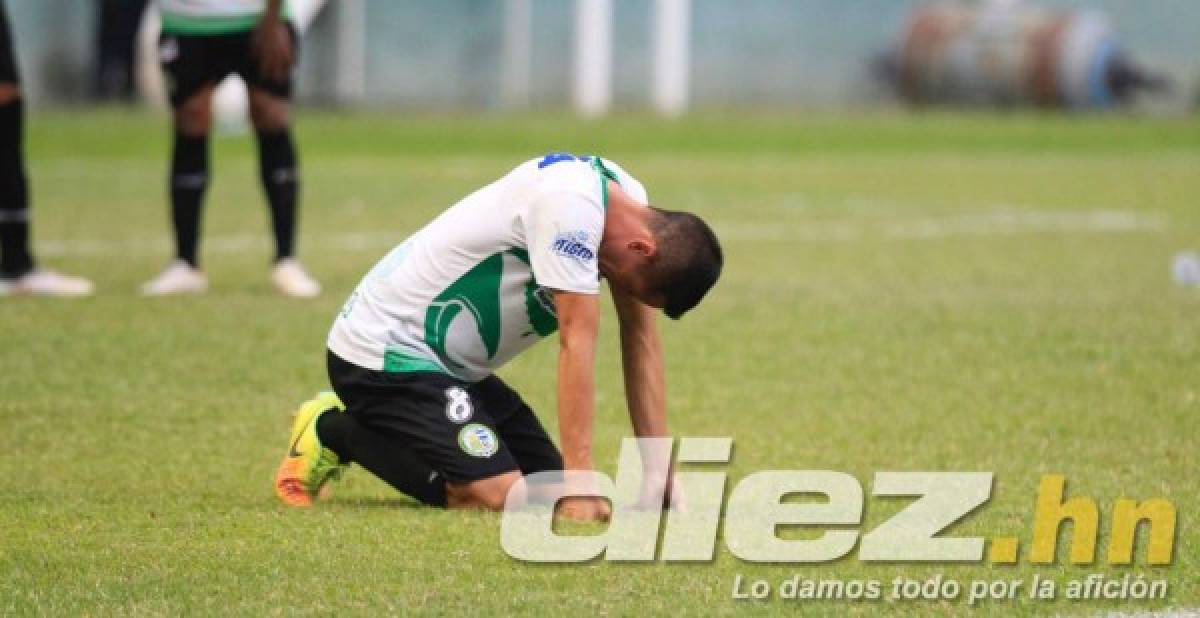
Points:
point(412, 353)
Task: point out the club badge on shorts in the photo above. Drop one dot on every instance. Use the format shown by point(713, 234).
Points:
point(458, 405)
point(478, 440)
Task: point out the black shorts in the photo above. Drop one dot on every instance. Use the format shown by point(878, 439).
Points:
point(464, 431)
point(8, 59)
point(192, 62)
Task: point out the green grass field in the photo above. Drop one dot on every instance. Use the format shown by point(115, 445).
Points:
point(902, 292)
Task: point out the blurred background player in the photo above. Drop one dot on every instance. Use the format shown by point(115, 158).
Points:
point(18, 272)
point(204, 41)
point(117, 23)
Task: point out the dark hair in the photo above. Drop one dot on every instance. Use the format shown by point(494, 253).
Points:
point(688, 261)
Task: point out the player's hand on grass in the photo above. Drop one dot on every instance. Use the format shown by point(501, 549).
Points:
point(272, 46)
point(584, 508)
point(673, 498)
point(653, 497)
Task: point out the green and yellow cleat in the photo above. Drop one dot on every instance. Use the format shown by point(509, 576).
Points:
point(308, 465)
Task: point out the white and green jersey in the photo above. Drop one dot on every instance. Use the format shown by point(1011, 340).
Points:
point(470, 290)
point(212, 16)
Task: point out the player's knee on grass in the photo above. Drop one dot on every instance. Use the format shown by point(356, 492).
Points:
point(268, 112)
point(193, 117)
point(488, 494)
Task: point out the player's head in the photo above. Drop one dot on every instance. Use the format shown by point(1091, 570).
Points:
point(670, 262)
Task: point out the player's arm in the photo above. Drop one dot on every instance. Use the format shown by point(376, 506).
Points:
point(642, 362)
point(578, 325)
point(563, 228)
point(646, 390)
point(272, 43)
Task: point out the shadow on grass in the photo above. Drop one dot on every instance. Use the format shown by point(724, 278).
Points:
point(398, 502)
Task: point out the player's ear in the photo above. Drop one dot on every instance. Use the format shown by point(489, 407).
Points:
point(646, 248)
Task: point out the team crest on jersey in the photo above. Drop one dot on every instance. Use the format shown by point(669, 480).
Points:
point(574, 245)
point(458, 405)
point(478, 440)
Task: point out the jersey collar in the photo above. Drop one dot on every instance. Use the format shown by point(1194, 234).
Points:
point(605, 176)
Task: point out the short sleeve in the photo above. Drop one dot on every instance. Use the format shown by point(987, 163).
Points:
point(562, 233)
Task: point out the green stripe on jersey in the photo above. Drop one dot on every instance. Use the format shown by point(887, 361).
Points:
point(214, 22)
point(209, 24)
point(605, 176)
point(541, 318)
point(397, 361)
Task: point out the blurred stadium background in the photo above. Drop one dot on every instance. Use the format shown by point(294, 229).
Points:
point(513, 54)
